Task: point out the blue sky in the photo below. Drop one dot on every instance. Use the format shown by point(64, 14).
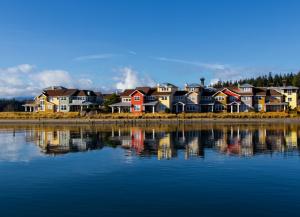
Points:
point(118, 44)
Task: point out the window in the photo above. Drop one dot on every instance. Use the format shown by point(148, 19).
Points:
point(164, 98)
point(136, 98)
point(258, 97)
point(63, 107)
point(63, 98)
point(246, 89)
point(219, 98)
point(126, 99)
point(290, 99)
point(246, 98)
point(49, 106)
point(289, 92)
point(191, 108)
point(137, 107)
point(219, 107)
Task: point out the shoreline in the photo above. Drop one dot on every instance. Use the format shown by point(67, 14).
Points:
point(75, 121)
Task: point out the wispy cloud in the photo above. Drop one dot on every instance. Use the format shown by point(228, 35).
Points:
point(132, 52)
point(223, 72)
point(96, 57)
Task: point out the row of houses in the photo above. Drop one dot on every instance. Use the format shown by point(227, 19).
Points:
point(61, 99)
point(166, 97)
point(199, 98)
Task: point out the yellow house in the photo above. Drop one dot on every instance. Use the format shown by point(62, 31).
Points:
point(260, 99)
point(43, 104)
point(220, 101)
point(165, 93)
point(290, 95)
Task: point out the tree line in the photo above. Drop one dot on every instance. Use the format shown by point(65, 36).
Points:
point(10, 105)
point(269, 80)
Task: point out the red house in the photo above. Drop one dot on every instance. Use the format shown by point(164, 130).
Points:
point(137, 101)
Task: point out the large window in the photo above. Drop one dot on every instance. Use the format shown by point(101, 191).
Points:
point(137, 108)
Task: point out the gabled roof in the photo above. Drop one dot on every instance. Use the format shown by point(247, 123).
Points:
point(144, 90)
point(228, 92)
point(126, 92)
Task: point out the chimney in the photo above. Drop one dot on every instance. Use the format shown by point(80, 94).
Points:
point(202, 81)
point(284, 82)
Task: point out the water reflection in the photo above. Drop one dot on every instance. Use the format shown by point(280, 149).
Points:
point(163, 141)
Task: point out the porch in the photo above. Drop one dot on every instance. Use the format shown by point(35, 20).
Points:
point(75, 107)
point(30, 107)
point(234, 107)
point(276, 107)
point(121, 107)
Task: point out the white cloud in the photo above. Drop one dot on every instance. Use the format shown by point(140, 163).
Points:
point(131, 79)
point(23, 68)
point(24, 80)
point(53, 78)
point(95, 57)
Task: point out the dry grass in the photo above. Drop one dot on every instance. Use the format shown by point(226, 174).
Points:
point(70, 115)
point(38, 115)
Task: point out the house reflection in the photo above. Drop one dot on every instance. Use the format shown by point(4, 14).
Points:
point(166, 142)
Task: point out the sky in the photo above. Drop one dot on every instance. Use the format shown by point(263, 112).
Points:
point(108, 45)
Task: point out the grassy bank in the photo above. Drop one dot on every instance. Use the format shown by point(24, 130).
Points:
point(76, 115)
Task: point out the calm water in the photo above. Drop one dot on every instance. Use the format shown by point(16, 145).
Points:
point(163, 170)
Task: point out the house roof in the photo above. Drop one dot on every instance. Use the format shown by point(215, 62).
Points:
point(144, 90)
point(246, 85)
point(273, 92)
point(193, 85)
point(60, 92)
point(180, 93)
point(208, 91)
point(289, 87)
point(85, 93)
point(126, 92)
point(167, 85)
point(260, 91)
